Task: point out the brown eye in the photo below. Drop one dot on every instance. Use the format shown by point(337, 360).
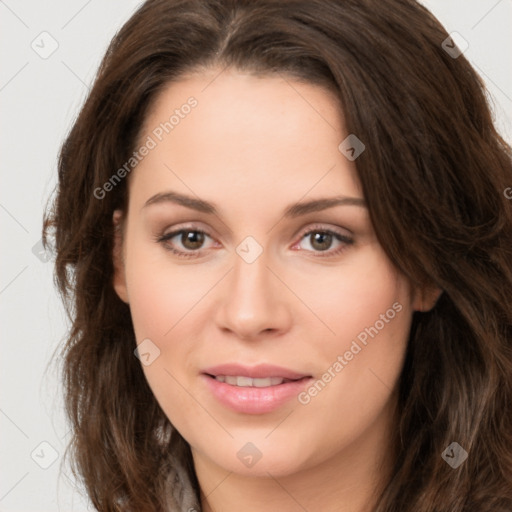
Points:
point(320, 241)
point(185, 243)
point(324, 242)
point(192, 239)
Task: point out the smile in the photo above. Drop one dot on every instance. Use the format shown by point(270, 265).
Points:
point(257, 389)
point(248, 382)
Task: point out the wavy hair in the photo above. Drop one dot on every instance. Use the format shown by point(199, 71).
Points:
point(434, 176)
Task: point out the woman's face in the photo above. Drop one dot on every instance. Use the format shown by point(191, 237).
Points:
point(273, 325)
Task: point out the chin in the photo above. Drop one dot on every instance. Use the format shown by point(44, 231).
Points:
point(259, 458)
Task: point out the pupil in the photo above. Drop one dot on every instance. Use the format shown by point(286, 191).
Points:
point(321, 238)
point(192, 239)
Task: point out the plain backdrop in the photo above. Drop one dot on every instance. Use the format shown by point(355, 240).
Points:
point(49, 54)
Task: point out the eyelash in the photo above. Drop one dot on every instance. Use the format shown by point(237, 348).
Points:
point(164, 239)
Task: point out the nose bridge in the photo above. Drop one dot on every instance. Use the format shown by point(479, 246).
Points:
point(251, 278)
point(255, 300)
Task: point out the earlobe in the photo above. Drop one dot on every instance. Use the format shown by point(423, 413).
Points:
point(119, 277)
point(425, 298)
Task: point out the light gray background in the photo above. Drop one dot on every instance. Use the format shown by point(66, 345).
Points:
point(39, 99)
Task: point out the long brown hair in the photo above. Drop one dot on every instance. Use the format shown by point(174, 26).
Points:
point(433, 174)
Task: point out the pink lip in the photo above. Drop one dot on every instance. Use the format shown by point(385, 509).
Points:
point(252, 400)
point(260, 371)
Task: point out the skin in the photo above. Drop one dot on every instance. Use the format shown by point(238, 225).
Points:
point(253, 146)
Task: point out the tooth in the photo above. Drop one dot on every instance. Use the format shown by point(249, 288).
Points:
point(244, 381)
point(262, 383)
point(231, 380)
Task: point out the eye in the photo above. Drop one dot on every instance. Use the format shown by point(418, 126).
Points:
point(185, 242)
point(190, 242)
point(321, 240)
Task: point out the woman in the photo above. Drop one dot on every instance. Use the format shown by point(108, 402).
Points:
point(282, 232)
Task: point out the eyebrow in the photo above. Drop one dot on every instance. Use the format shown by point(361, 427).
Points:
point(292, 211)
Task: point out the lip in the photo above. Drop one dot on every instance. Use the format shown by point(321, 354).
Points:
point(253, 400)
point(260, 371)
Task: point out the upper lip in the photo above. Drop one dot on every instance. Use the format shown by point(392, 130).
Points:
point(260, 371)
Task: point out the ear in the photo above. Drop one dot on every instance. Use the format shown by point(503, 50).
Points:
point(424, 297)
point(119, 278)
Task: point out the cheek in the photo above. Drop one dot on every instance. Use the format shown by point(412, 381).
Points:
point(161, 299)
point(151, 304)
point(161, 293)
point(357, 297)
point(371, 315)
point(368, 308)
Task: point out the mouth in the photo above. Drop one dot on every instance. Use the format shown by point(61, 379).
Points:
point(242, 381)
point(254, 390)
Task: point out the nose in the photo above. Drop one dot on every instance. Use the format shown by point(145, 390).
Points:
point(254, 303)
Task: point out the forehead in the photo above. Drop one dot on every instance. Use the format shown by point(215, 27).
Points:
point(248, 138)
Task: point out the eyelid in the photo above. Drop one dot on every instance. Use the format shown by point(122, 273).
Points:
point(167, 235)
point(346, 239)
point(325, 227)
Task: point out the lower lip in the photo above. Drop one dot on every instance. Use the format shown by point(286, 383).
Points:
point(252, 400)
